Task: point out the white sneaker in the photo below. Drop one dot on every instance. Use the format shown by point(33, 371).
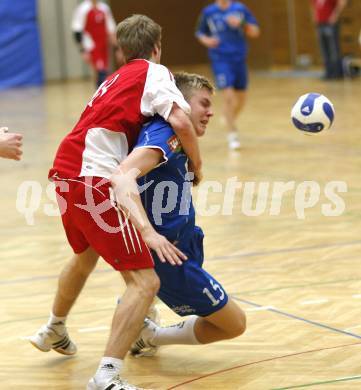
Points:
point(233, 141)
point(48, 338)
point(142, 345)
point(116, 383)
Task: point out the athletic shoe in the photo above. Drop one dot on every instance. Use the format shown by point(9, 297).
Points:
point(116, 383)
point(142, 345)
point(48, 338)
point(233, 141)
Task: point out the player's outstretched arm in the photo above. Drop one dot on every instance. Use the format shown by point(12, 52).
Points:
point(138, 163)
point(10, 144)
point(184, 129)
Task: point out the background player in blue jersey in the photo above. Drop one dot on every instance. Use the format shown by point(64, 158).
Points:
point(223, 28)
point(161, 164)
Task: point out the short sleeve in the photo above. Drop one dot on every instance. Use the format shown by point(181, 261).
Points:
point(249, 17)
point(159, 135)
point(110, 22)
point(79, 18)
point(160, 92)
point(202, 25)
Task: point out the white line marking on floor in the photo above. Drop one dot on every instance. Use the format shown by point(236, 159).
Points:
point(353, 327)
point(260, 308)
point(356, 296)
point(314, 302)
point(89, 330)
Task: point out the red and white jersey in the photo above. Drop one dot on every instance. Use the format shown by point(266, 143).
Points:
point(110, 124)
point(95, 22)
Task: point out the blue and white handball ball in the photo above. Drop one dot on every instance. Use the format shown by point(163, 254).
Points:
point(313, 113)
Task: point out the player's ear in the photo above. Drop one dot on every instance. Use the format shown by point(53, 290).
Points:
point(119, 57)
point(157, 51)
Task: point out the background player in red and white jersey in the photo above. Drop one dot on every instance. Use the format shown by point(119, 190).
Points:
point(85, 161)
point(326, 14)
point(10, 144)
point(94, 31)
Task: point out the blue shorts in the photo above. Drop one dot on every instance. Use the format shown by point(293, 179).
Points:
point(189, 289)
point(230, 74)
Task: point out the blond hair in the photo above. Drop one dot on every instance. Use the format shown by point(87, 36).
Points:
point(137, 36)
point(188, 82)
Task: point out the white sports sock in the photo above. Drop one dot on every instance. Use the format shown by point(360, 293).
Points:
point(56, 323)
point(232, 135)
point(108, 368)
point(181, 333)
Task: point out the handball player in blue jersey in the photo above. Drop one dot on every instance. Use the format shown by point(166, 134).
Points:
point(223, 28)
point(165, 182)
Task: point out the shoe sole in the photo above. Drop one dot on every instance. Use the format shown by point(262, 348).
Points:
point(61, 351)
point(38, 347)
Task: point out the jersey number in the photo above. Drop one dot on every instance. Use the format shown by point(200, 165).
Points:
point(215, 287)
point(103, 89)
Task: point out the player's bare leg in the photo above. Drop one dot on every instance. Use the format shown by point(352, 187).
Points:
point(72, 280)
point(229, 107)
point(142, 287)
point(240, 101)
point(227, 323)
point(54, 334)
point(233, 103)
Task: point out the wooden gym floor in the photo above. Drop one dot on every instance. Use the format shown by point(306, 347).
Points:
point(299, 280)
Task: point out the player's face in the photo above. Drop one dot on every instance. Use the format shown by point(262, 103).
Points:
point(201, 110)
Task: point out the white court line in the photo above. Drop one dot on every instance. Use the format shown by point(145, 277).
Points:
point(353, 327)
point(89, 330)
point(356, 296)
point(314, 302)
point(261, 308)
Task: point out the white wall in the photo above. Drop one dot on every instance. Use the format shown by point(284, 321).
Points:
point(61, 58)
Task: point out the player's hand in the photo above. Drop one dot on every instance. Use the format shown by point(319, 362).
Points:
point(234, 21)
point(86, 57)
point(164, 249)
point(10, 145)
point(252, 30)
point(333, 19)
point(211, 42)
point(198, 175)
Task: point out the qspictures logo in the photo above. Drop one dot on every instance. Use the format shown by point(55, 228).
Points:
point(253, 199)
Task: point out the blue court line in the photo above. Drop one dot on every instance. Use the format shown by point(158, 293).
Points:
point(300, 318)
point(249, 254)
point(47, 277)
point(293, 286)
point(287, 250)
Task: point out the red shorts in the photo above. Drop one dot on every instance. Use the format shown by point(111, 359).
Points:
point(99, 57)
point(90, 218)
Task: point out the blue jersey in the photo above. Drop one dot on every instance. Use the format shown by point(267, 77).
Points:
point(166, 190)
point(166, 196)
point(213, 22)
